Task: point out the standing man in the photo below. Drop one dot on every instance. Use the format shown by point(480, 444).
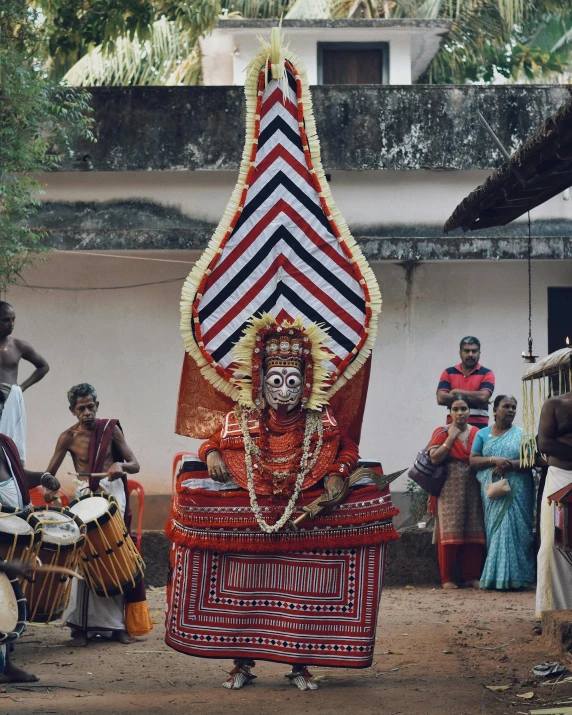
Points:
point(96, 446)
point(469, 379)
point(12, 350)
point(554, 578)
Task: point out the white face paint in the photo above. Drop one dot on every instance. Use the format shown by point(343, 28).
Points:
point(283, 387)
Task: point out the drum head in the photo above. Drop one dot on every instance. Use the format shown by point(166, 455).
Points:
point(14, 525)
point(8, 606)
point(58, 528)
point(90, 508)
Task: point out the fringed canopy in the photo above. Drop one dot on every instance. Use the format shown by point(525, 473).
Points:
point(282, 247)
point(548, 377)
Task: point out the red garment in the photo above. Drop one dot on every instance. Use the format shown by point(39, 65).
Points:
point(17, 467)
point(481, 378)
point(339, 454)
point(470, 556)
point(458, 451)
point(101, 440)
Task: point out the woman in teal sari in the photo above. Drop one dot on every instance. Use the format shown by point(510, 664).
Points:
point(508, 520)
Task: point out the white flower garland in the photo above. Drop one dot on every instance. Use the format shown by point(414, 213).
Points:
point(313, 423)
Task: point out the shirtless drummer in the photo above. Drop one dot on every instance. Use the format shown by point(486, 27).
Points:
point(95, 446)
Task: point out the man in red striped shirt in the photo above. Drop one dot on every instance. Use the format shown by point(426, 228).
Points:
point(470, 379)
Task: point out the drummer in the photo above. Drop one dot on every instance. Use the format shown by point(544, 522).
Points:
point(15, 484)
point(98, 446)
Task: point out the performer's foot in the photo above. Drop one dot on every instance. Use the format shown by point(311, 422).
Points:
point(449, 586)
point(123, 637)
point(78, 639)
point(301, 677)
point(240, 675)
point(17, 675)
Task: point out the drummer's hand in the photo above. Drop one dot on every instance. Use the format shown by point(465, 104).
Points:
point(49, 482)
point(116, 471)
point(335, 485)
point(216, 467)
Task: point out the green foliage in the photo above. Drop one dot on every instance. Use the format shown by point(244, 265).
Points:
point(37, 123)
point(167, 57)
point(418, 500)
point(160, 48)
point(521, 40)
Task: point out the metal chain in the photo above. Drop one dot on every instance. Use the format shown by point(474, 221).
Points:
point(529, 286)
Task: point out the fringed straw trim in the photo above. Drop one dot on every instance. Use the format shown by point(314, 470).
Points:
point(257, 73)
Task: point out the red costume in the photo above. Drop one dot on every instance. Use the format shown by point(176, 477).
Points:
point(278, 314)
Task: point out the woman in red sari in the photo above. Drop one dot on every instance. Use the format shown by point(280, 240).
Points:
point(460, 525)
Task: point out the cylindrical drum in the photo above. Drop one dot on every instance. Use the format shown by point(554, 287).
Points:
point(63, 539)
point(18, 537)
point(110, 560)
point(12, 609)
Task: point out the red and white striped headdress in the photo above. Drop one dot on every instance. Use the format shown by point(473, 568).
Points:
point(282, 248)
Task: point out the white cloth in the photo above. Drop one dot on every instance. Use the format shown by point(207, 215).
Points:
point(13, 420)
point(10, 493)
point(86, 611)
point(554, 572)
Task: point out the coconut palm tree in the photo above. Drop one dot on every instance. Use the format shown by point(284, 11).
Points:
point(520, 40)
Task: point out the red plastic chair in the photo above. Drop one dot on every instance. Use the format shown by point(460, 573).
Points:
point(37, 497)
point(133, 486)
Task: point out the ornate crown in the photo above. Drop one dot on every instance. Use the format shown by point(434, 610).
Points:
point(266, 343)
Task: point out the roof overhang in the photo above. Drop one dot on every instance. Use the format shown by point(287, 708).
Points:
point(540, 169)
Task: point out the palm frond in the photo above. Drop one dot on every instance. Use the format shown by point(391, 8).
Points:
point(169, 56)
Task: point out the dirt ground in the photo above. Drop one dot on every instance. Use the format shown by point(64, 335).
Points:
point(436, 651)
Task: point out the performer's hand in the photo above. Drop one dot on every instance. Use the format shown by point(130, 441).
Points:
point(216, 467)
point(49, 482)
point(335, 485)
point(115, 472)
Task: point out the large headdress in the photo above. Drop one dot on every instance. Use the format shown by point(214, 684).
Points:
point(282, 252)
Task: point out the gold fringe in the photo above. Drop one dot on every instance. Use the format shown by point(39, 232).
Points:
point(276, 54)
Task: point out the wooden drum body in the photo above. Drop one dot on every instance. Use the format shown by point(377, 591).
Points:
point(12, 609)
point(63, 540)
point(110, 560)
point(18, 537)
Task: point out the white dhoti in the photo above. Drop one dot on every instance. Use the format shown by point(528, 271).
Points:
point(554, 577)
point(86, 611)
point(13, 420)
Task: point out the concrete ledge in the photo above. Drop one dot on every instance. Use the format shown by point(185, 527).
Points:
point(557, 630)
point(410, 561)
point(387, 127)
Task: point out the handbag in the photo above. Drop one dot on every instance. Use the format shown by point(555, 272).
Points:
point(427, 475)
point(496, 490)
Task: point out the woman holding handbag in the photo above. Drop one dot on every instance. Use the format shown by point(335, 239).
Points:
point(459, 515)
point(507, 492)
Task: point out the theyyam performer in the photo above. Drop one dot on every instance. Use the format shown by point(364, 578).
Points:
point(279, 315)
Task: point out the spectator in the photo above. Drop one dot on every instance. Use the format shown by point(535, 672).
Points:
point(459, 513)
point(508, 519)
point(468, 379)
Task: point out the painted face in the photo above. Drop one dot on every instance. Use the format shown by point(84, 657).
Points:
point(283, 386)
